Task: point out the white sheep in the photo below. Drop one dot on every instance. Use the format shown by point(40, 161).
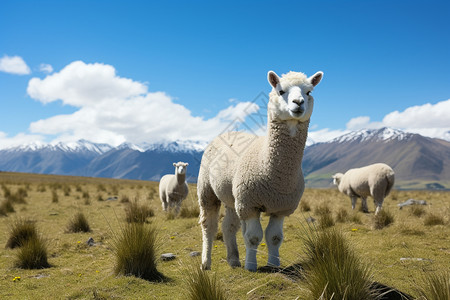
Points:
point(251, 174)
point(173, 188)
point(374, 180)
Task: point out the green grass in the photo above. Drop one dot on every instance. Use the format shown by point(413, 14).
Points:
point(201, 284)
point(433, 219)
point(138, 213)
point(6, 207)
point(333, 270)
point(20, 231)
point(81, 272)
point(78, 223)
point(383, 219)
point(434, 286)
point(32, 254)
point(416, 211)
point(135, 249)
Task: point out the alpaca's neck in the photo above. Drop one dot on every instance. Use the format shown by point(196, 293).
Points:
point(181, 178)
point(285, 144)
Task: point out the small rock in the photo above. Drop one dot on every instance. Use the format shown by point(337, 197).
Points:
point(310, 220)
point(90, 242)
point(195, 253)
point(412, 202)
point(113, 198)
point(168, 256)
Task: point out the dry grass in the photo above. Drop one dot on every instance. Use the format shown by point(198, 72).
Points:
point(82, 272)
point(433, 219)
point(78, 223)
point(383, 219)
point(20, 231)
point(202, 285)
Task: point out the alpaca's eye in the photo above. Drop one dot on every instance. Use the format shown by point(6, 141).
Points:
point(308, 93)
point(282, 93)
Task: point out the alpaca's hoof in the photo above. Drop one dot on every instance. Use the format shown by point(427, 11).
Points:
point(234, 263)
point(205, 267)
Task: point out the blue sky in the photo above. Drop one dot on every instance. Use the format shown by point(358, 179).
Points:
point(144, 71)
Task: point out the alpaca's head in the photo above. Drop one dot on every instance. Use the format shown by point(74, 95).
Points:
point(290, 98)
point(337, 178)
point(180, 167)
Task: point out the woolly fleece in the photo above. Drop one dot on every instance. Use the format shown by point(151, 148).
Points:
point(374, 180)
point(173, 188)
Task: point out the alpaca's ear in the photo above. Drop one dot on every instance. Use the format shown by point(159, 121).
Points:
point(316, 78)
point(174, 164)
point(186, 164)
point(273, 79)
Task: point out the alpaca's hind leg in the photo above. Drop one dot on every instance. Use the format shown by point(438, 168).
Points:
point(353, 198)
point(365, 208)
point(274, 238)
point(252, 236)
point(209, 219)
point(230, 226)
point(378, 203)
point(164, 201)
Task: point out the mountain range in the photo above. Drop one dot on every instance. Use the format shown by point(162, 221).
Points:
point(419, 162)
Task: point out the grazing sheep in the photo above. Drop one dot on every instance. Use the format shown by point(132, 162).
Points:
point(374, 180)
point(251, 174)
point(173, 189)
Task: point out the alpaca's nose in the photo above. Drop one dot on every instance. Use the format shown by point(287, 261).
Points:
point(298, 101)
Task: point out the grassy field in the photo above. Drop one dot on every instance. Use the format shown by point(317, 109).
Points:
point(400, 255)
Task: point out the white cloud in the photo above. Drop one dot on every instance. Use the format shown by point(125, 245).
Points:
point(14, 65)
point(19, 139)
point(432, 120)
point(324, 135)
point(114, 110)
point(46, 68)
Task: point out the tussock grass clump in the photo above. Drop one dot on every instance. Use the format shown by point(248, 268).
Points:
point(355, 218)
point(434, 286)
point(322, 209)
point(135, 250)
point(6, 207)
point(170, 215)
point(67, 190)
point(326, 221)
point(78, 223)
point(6, 191)
point(189, 211)
point(304, 206)
point(85, 195)
point(20, 231)
point(55, 198)
point(124, 199)
point(202, 285)
point(416, 211)
point(32, 254)
point(342, 215)
point(383, 219)
point(136, 213)
point(433, 219)
point(333, 270)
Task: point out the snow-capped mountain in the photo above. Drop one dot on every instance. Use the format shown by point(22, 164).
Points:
point(84, 158)
point(383, 134)
point(419, 162)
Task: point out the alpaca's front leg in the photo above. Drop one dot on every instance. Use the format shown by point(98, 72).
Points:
point(365, 208)
point(252, 236)
point(274, 238)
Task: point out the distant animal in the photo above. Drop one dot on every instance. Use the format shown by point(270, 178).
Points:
point(374, 180)
point(173, 188)
point(251, 174)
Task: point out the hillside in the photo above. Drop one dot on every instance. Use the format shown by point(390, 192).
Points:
point(418, 161)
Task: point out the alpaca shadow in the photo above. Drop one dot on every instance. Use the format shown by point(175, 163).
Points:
point(296, 271)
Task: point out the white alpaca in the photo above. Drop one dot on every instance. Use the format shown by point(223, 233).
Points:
point(173, 189)
point(374, 180)
point(251, 174)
